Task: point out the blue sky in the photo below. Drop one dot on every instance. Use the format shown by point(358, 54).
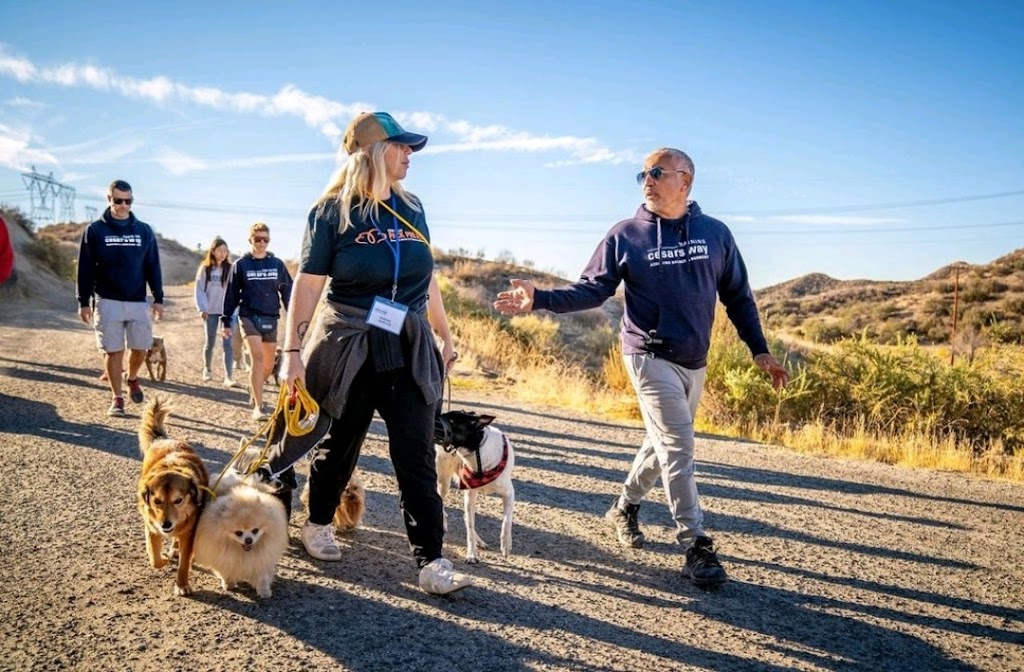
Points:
point(864, 140)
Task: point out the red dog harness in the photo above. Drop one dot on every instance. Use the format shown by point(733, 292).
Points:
point(470, 480)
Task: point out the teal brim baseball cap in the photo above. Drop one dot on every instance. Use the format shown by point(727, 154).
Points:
point(370, 127)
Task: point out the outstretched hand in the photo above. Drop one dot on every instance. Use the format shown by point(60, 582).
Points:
point(767, 363)
point(519, 299)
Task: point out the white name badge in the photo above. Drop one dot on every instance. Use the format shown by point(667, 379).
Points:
point(387, 315)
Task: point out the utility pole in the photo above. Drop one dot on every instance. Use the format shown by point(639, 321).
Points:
point(956, 297)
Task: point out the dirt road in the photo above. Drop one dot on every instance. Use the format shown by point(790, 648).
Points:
point(836, 564)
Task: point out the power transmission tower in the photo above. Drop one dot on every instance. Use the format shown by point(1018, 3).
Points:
point(42, 191)
point(66, 195)
point(90, 213)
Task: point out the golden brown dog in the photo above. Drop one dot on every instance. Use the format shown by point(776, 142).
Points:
point(172, 491)
point(157, 357)
point(352, 506)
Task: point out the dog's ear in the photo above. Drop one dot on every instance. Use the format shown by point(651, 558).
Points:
point(145, 493)
point(485, 420)
point(197, 494)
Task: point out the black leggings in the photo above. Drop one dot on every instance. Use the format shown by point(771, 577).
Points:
point(410, 423)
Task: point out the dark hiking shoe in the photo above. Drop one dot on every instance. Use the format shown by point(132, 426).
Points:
point(627, 529)
point(283, 484)
point(116, 409)
point(135, 391)
point(702, 566)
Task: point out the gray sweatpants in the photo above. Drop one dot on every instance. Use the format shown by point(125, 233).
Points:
point(668, 395)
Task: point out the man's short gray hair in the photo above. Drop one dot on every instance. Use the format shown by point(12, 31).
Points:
point(682, 159)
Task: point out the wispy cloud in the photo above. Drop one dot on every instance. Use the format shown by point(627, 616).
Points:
point(835, 220)
point(16, 152)
point(19, 101)
point(179, 163)
point(322, 114)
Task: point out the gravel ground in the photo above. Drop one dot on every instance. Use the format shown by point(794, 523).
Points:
point(835, 564)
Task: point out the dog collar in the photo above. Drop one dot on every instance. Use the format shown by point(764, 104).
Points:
point(471, 480)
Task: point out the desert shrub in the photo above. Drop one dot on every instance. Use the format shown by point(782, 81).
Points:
point(613, 370)
point(49, 253)
point(535, 331)
point(821, 331)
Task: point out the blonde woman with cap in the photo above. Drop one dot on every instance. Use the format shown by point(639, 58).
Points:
point(372, 348)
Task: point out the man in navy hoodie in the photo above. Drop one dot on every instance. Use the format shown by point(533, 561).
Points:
point(675, 261)
point(117, 258)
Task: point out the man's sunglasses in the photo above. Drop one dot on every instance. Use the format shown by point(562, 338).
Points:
point(260, 239)
point(655, 172)
point(123, 201)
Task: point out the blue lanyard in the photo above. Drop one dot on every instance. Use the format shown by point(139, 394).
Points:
point(394, 246)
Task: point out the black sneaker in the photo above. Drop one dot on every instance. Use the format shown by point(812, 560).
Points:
point(283, 484)
point(627, 529)
point(702, 566)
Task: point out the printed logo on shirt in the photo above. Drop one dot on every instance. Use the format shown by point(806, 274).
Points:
point(128, 240)
point(694, 249)
point(261, 274)
point(375, 237)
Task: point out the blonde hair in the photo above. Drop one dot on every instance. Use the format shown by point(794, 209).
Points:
point(258, 226)
point(363, 174)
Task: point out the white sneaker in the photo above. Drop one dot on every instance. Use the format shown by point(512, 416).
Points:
point(260, 412)
point(207, 374)
point(320, 542)
point(229, 382)
point(440, 578)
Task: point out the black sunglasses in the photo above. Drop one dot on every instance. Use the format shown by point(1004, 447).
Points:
point(123, 201)
point(655, 172)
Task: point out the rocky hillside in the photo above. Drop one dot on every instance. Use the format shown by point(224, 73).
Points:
point(990, 305)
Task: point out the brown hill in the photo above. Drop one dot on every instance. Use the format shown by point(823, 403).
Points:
point(989, 297)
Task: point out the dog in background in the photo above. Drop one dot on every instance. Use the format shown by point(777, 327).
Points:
point(242, 533)
point(157, 357)
point(480, 457)
point(171, 492)
point(352, 506)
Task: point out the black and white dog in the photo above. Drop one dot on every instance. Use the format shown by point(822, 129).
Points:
point(479, 456)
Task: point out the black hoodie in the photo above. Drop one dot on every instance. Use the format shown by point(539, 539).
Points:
point(117, 258)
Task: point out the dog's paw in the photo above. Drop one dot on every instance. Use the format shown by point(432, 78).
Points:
point(182, 591)
point(472, 560)
point(264, 592)
point(158, 562)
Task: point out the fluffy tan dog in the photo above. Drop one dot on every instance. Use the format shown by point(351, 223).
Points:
point(171, 492)
point(242, 534)
point(352, 506)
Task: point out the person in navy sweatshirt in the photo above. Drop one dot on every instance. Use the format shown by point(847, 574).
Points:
point(258, 285)
point(117, 258)
point(675, 262)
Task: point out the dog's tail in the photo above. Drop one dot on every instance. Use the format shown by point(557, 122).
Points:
point(152, 425)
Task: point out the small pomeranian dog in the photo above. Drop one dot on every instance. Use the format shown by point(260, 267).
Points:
point(352, 506)
point(242, 534)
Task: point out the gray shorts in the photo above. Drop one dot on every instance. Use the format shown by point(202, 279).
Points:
point(120, 322)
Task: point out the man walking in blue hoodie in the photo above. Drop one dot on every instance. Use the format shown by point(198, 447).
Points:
point(117, 258)
point(675, 262)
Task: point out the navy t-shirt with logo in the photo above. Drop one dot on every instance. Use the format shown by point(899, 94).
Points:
point(360, 260)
